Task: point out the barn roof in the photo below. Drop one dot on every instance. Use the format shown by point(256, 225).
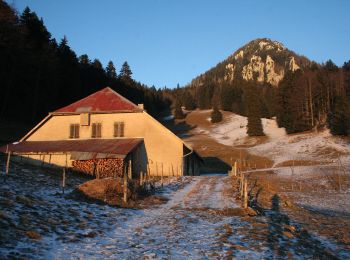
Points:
point(104, 100)
point(92, 148)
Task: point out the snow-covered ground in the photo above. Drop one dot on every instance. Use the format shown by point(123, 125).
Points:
point(191, 225)
point(279, 146)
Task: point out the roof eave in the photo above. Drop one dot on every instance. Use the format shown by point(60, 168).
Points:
point(96, 112)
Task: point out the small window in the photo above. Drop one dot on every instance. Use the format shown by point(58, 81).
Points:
point(96, 130)
point(74, 131)
point(119, 129)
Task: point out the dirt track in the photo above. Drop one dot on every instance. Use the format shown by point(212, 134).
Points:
point(200, 220)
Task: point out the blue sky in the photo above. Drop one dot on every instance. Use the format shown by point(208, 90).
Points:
point(171, 41)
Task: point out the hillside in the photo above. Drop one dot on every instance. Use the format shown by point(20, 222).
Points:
point(264, 79)
point(277, 146)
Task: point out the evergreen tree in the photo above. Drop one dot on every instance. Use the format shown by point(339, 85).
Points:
point(330, 66)
point(339, 117)
point(84, 59)
point(125, 71)
point(188, 101)
point(178, 113)
point(216, 115)
point(254, 126)
point(97, 64)
point(110, 70)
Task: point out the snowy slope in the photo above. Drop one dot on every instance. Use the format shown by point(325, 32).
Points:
point(279, 146)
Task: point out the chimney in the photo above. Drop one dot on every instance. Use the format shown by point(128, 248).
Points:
point(140, 106)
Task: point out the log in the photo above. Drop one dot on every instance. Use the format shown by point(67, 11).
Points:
point(105, 168)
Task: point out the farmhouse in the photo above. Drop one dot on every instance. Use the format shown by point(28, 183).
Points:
point(102, 135)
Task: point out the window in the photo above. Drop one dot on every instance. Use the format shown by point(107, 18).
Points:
point(96, 130)
point(74, 131)
point(119, 129)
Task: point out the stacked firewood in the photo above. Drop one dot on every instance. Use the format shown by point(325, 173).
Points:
point(100, 168)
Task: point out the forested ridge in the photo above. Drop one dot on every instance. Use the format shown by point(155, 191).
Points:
point(39, 75)
point(310, 96)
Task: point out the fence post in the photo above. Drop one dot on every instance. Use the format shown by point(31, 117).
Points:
point(63, 179)
point(141, 178)
point(242, 184)
point(245, 196)
point(161, 177)
point(8, 163)
point(125, 187)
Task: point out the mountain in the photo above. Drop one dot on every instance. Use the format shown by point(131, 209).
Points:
point(264, 79)
point(262, 60)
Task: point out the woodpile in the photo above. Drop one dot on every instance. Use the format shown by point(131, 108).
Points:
point(101, 168)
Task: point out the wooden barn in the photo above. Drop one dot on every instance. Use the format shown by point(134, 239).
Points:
point(104, 134)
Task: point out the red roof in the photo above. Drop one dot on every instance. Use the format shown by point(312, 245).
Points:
point(121, 147)
point(105, 100)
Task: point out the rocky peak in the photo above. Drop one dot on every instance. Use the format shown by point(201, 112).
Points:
point(261, 60)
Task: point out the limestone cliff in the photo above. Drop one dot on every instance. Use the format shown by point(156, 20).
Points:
point(261, 60)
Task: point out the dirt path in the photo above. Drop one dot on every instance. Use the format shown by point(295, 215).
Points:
point(195, 223)
point(189, 226)
point(181, 228)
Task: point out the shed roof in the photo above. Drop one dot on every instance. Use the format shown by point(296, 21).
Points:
point(96, 148)
point(104, 100)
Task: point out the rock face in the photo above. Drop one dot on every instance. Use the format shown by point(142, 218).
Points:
point(261, 60)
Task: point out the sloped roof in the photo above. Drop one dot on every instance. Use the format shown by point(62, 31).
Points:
point(120, 147)
point(104, 100)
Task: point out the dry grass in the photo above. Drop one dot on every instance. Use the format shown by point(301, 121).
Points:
point(265, 185)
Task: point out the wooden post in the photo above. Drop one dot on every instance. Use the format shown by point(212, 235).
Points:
point(245, 196)
point(148, 171)
point(63, 179)
point(129, 170)
point(141, 178)
point(242, 184)
point(8, 163)
point(172, 169)
point(161, 177)
point(235, 169)
point(157, 169)
point(125, 187)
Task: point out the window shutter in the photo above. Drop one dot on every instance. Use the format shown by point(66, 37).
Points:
point(121, 129)
point(93, 133)
point(71, 131)
point(76, 131)
point(116, 129)
point(98, 132)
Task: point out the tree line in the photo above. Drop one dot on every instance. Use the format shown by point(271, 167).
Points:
point(39, 74)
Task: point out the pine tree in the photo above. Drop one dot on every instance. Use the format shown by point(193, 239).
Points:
point(188, 101)
point(125, 71)
point(254, 126)
point(216, 115)
point(339, 117)
point(110, 70)
point(97, 64)
point(178, 113)
point(84, 59)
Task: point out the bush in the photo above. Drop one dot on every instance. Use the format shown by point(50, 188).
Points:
point(216, 115)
